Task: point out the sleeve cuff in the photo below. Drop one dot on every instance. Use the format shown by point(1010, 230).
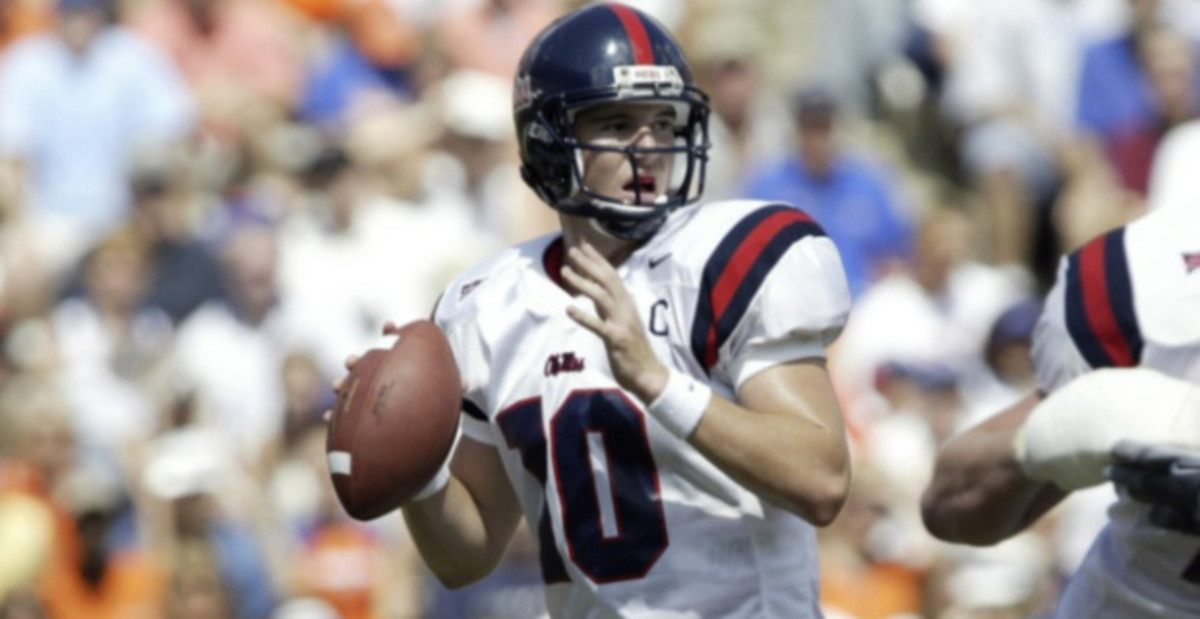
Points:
point(478, 431)
point(758, 357)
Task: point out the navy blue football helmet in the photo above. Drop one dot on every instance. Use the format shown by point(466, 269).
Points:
point(605, 53)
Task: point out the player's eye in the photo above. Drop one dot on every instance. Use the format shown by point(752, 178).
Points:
point(663, 125)
point(616, 127)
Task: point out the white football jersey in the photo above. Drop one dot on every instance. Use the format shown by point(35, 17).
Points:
point(1129, 298)
point(631, 520)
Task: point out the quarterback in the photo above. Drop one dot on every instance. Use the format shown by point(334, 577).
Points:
point(647, 388)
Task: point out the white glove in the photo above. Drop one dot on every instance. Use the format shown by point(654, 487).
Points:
point(1068, 438)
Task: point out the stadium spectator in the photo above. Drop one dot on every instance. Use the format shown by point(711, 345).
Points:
point(946, 302)
point(110, 344)
point(102, 580)
point(489, 35)
point(76, 104)
point(750, 123)
point(853, 199)
point(202, 510)
point(230, 51)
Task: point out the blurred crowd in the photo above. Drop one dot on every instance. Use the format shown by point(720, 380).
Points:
point(206, 205)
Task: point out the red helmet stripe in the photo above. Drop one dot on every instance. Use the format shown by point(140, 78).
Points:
point(642, 52)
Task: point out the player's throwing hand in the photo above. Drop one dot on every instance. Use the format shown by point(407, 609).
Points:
point(633, 362)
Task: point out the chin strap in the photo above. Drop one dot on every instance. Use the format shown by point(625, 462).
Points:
point(636, 231)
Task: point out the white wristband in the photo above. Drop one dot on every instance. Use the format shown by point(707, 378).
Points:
point(681, 404)
point(442, 477)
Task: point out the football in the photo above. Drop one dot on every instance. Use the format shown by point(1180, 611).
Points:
point(394, 421)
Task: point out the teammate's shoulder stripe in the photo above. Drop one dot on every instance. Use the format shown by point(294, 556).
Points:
point(736, 270)
point(1100, 313)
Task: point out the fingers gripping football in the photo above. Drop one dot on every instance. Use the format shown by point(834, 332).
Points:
point(395, 422)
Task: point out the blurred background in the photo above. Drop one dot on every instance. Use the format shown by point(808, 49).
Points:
point(205, 205)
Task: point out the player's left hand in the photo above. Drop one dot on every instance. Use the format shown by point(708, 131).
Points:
point(616, 321)
point(1165, 477)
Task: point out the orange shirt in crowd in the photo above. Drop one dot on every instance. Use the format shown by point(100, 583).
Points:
point(133, 587)
point(378, 31)
point(876, 591)
point(342, 565)
point(19, 477)
point(21, 17)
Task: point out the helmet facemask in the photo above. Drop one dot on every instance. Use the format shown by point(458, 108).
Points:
point(549, 137)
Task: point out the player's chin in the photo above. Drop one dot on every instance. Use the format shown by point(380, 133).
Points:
point(632, 197)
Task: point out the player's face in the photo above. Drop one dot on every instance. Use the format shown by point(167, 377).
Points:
point(624, 125)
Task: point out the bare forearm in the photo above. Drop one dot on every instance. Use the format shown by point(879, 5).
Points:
point(979, 495)
point(794, 462)
point(453, 537)
point(784, 439)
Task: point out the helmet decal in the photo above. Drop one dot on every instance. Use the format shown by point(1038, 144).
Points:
point(523, 93)
point(647, 79)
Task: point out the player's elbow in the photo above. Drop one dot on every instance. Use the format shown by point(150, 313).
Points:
point(826, 510)
point(820, 500)
point(949, 523)
point(454, 582)
point(457, 576)
point(941, 525)
point(823, 514)
point(950, 532)
point(455, 570)
point(936, 519)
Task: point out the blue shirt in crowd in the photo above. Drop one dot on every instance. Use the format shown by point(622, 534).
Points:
point(854, 204)
point(1114, 92)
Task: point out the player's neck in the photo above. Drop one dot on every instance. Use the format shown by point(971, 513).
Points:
point(577, 231)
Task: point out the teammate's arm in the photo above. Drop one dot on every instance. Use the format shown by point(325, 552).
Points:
point(463, 531)
point(784, 439)
point(979, 493)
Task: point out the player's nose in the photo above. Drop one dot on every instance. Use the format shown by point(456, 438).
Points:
point(646, 136)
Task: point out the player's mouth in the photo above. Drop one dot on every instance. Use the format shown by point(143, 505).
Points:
point(643, 183)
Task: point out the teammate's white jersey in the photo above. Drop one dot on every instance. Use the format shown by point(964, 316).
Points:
point(1130, 297)
point(632, 521)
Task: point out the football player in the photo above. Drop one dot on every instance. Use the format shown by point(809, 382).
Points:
point(1117, 354)
point(646, 388)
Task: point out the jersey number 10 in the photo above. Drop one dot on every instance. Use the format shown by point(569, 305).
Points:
point(607, 484)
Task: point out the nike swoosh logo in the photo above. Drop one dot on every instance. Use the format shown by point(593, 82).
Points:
point(653, 262)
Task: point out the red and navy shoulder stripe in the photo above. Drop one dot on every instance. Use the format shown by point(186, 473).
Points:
point(1100, 313)
point(737, 269)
